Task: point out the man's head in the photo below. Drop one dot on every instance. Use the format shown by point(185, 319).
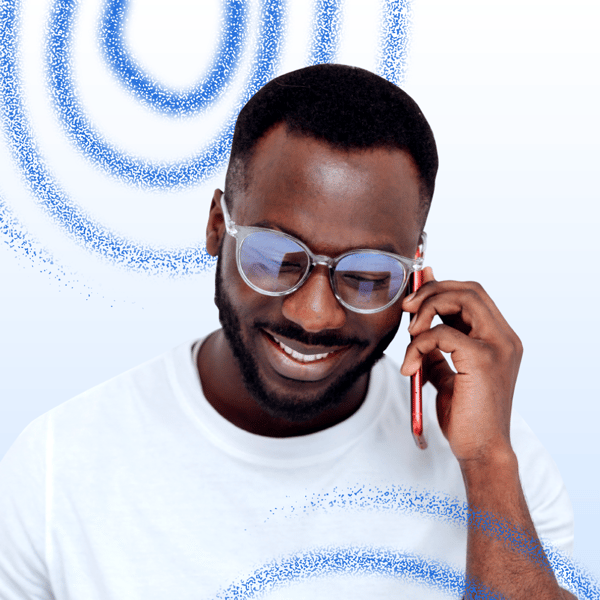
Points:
point(355, 191)
point(347, 107)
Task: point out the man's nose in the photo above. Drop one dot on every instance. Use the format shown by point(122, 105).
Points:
point(314, 306)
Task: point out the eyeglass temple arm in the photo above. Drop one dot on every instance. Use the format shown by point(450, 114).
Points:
point(229, 224)
point(420, 254)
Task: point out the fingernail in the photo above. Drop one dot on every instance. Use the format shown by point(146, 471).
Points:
point(410, 297)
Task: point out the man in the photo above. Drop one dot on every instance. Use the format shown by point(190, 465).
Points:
point(275, 456)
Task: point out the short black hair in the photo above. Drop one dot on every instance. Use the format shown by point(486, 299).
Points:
point(347, 107)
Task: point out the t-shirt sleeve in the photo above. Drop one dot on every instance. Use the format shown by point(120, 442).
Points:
point(23, 572)
point(545, 492)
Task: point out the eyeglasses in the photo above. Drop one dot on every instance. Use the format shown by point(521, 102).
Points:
point(275, 264)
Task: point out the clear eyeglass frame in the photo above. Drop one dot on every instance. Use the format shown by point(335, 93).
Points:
point(240, 233)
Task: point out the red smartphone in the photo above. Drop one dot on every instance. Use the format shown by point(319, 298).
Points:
point(416, 380)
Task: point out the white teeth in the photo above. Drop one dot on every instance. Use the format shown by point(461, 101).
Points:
point(301, 357)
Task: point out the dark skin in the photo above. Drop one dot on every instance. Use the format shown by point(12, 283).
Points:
point(299, 186)
point(486, 353)
point(335, 201)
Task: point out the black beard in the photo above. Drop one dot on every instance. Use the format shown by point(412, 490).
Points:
point(292, 408)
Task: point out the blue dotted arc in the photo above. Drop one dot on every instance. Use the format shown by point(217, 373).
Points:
point(326, 33)
point(128, 168)
point(156, 96)
point(385, 562)
point(16, 237)
point(357, 561)
point(394, 40)
point(19, 240)
point(392, 563)
point(95, 238)
point(55, 202)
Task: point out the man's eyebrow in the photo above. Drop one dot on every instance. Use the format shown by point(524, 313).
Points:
point(269, 225)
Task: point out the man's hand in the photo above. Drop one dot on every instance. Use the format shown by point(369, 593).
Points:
point(474, 404)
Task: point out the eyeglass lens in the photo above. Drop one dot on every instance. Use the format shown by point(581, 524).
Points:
point(274, 263)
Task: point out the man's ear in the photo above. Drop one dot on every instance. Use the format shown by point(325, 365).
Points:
point(215, 228)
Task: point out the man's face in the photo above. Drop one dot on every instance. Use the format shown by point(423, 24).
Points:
point(333, 201)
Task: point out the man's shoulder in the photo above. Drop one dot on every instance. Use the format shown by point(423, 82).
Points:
point(127, 410)
point(119, 397)
point(148, 376)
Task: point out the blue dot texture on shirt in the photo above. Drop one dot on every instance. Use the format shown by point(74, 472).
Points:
point(367, 561)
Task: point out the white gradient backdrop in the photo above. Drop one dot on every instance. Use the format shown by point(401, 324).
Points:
point(511, 89)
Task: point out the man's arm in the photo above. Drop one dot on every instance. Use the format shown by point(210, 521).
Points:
point(504, 554)
point(503, 550)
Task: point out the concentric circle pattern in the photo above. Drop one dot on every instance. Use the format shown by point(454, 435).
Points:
point(144, 87)
point(223, 76)
point(135, 170)
point(252, 46)
point(367, 561)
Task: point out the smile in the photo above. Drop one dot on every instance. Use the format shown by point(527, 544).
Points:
point(301, 363)
point(298, 356)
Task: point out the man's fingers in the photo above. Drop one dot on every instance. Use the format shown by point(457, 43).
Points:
point(466, 302)
point(442, 337)
point(437, 371)
point(427, 342)
point(472, 313)
point(432, 287)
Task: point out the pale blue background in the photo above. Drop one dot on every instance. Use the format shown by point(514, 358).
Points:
point(511, 89)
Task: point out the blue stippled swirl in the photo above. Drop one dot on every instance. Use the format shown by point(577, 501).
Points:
point(132, 76)
point(392, 562)
point(366, 561)
point(360, 561)
point(15, 236)
point(52, 199)
point(326, 32)
point(394, 40)
point(114, 161)
point(64, 210)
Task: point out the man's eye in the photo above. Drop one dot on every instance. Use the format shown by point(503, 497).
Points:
point(293, 262)
point(290, 266)
point(373, 279)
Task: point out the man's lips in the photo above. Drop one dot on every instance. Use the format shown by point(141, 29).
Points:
point(294, 360)
point(303, 352)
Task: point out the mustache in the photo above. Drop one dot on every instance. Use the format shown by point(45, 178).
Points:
point(322, 338)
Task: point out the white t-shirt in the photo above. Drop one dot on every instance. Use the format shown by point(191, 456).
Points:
point(139, 489)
